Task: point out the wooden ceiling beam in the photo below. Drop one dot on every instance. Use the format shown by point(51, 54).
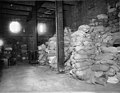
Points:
point(45, 17)
point(13, 14)
point(15, 9)
point(48, 8)
point(7, 2)
point(64, 3)
point(37, 6)
point(39, 13)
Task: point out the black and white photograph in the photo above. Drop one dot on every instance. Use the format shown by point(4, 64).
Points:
point(59, 46)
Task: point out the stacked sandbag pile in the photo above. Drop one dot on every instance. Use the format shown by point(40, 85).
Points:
point(94, 59)
point(114, 22)
point(114, 15)
point(52, 48)
point(106, 55)
point(67, 47)
point(106, 62)
point(42, 55)
point(67, 42)
point(52, 52)
point(83, 53)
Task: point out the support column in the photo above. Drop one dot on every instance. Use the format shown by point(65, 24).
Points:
point(33, 49)
point(60, 36)
point(35, 29)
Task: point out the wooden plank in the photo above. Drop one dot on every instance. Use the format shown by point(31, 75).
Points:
point(15, 9)
point(60, 36)
point(19, 4)
point(13, 14)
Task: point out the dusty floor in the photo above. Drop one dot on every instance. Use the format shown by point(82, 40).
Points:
point(31, 79)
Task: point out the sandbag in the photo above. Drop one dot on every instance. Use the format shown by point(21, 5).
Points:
point(110, 72)
point(102, 16)
point(112, 80)
point(100, 67)
point(98, 74)
point(109, 49)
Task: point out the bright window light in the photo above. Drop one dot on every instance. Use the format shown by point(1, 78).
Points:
point(15, 27)
point(41, 28)
point(1, 42)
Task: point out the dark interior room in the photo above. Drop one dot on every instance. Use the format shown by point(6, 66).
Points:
point(65, 46)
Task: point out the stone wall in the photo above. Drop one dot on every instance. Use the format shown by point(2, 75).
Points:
point(86, 10)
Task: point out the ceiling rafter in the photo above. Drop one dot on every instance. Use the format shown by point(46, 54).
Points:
point(48, 11)
point(12, 14)
point(15, 9)
point(21, 12)
point(11, 2)
point(48, 8)
point(46, 17)
point(39, 13)
point(37, 6)
point(64, 3)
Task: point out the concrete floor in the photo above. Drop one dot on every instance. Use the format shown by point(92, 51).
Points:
point(32, 79)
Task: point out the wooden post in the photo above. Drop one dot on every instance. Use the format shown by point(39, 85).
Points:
point(33, 51)
point(60, 35)
point(35, 32)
